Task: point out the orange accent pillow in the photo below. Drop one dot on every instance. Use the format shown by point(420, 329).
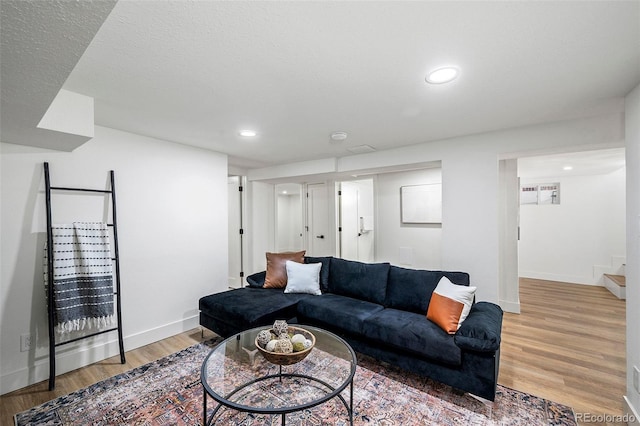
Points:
point(277, 269)
point(445, 312)
point(450, 305)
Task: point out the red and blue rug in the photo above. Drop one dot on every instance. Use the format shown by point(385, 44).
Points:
point(168, 392)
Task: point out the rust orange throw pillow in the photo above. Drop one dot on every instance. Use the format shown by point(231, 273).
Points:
point(450, 305)
point(277, 268)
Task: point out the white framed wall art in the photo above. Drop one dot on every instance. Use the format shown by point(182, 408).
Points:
point(421, 203)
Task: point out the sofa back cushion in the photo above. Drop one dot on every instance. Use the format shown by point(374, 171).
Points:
point(324, 270)
point(411, 289)
point(364, 281)
point(256, 280)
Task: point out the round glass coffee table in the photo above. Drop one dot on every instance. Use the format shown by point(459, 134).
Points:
point(237, 376)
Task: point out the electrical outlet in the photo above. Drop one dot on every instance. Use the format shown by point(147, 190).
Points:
point(25, 342)
point(636, 378)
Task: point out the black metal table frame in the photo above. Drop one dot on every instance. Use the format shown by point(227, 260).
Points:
point(224, 401)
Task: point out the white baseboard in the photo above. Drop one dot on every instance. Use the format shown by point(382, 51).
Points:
point(631, 414)
point(513, 307)
point(85, 355)
point(573, 279)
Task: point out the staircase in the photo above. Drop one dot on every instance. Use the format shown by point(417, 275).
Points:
point(616, 284)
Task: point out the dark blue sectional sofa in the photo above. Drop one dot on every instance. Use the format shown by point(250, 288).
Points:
point(381, 311)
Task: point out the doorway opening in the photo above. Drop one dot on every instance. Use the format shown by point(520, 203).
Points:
point(576, 234)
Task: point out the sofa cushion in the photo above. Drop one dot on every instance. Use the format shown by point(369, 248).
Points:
point(256, 280)
point(251, 307)
point(303, 278)
point(276, 269)
point(324, 271)
point(337, 312)
point(407, 331)
point(365, 281)
point(411, 289)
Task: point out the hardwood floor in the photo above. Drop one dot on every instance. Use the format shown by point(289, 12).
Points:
point(567, 345)
point(36, 394)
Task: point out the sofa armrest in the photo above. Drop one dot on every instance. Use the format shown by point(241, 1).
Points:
point(257, 279)
point(481, 330)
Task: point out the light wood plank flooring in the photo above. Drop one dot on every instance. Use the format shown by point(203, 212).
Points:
point(36, 394)
point(567, 345)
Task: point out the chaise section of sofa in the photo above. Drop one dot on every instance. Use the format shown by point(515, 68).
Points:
point(230, 312)
point(380, 310)
point(233, 311)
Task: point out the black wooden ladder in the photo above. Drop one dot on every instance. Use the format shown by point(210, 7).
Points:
point(50, 303)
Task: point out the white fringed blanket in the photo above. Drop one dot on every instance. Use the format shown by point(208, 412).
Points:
point(82, 276)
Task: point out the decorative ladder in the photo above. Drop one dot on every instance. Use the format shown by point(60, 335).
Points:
point(50, 309)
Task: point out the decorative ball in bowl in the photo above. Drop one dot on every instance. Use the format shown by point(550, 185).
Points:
point(287, 348)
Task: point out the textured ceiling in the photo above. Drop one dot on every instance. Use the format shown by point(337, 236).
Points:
point(41, 42)
point(196, 72)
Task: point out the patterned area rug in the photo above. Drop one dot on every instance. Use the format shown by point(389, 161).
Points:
point(168, 392)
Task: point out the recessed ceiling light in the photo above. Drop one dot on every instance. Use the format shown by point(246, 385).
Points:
point(442, 75)
point(567, 168)
point(248, 133)
point(339, 136)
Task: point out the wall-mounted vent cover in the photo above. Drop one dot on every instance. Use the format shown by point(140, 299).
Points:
point(361, 149)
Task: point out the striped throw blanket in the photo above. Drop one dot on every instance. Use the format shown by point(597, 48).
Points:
point(82, 277)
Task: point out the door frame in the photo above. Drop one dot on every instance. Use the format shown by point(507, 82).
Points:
point(240, 231)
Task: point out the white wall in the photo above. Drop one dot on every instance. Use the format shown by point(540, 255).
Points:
point(409, 245)
point(172, 224)
point(580, 238)
point(470, 182)
point(632, 108)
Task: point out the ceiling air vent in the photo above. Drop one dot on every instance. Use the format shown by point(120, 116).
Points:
point(361, 149)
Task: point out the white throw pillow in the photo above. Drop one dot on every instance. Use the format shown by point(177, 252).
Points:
point(303, 278)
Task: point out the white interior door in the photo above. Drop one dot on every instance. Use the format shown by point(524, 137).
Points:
point(356, 220)
point(235, 246)
point(289, 217)
point(319, 239)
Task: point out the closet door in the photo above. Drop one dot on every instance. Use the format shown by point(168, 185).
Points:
point(235, 238)
point(356, 220)
point(320, 241)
